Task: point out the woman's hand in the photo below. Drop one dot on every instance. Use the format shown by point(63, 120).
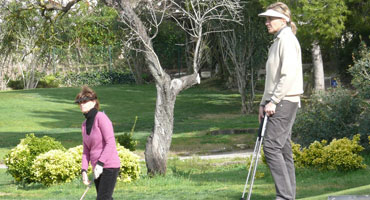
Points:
point(85, 178)
point(270, 109)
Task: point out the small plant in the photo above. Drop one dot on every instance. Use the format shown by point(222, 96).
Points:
point(340, 154)
point(126, 139)
point(48, 81)
point(16, 84)
point(20, 159)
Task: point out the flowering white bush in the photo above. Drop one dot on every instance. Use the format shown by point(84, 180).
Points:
point(55, 166)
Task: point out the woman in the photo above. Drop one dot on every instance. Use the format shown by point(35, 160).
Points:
point(99, 145)
point(281, 98)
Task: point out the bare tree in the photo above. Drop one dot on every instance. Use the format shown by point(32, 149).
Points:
point(199, 13)
point(237, 51)
point(244, 48)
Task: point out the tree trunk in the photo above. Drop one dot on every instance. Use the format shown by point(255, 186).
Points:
point(318, 67)
point(138, 66)
point(159, 141)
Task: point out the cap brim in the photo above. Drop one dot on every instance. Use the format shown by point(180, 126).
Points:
point(272, 13)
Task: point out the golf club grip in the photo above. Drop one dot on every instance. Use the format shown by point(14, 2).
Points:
point(260, 128)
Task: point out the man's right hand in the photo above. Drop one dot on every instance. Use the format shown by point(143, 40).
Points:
point(85, 178)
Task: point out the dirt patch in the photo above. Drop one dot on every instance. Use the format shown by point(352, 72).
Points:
point(233, 131)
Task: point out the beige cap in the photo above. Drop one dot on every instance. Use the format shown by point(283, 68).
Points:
point(273, 13)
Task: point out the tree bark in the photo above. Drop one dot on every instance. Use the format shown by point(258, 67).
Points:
point(318, 67)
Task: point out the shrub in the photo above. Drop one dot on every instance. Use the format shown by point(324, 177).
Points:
point(130, 168)
point(20, 159)
point(55, 166)
point(16, 84)
point(126, 140)
point(48, 81)
point(76, 155)
point(360, 71)
point(334, 114)
point(98, 77)
point(340, 154)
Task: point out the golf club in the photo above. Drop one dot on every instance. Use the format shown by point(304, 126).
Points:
point(255, 157)
point(87, 189)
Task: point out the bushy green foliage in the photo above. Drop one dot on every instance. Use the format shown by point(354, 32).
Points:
point(16, 84)
point(130, 167)
point(55, 166)
point(76, 155)
point(340, 154)
point(127, 140)
point(98, 77)
point(20, 159)
point(333, 114)
point(360, 71)
point(48, 81)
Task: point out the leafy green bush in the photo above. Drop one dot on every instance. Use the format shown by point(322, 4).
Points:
point(333, 114)
point(16, 84)
point(20, 159)
point(76, 155)
point(340, 154)
point(360, 71)
point(130, 167)
point(48, 81)
point(127, 140)
point(97, 77)
point(55, 166)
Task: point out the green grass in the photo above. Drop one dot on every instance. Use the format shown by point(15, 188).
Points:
point(52, 112)
point(203, 179)
point(198, 111)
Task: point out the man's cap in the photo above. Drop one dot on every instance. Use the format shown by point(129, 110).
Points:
point(273, 13)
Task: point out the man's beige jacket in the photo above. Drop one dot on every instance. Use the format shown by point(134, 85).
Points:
point(284, 78)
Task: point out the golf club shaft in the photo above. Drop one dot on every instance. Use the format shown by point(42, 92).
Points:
point(255, 158)
point(87, 189)
point(250, 167)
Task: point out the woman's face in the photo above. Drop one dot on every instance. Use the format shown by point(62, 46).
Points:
point(87, 106)
point(274, 24)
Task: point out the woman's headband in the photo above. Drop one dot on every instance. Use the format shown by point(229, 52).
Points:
point(82, 99)
point(273, 13)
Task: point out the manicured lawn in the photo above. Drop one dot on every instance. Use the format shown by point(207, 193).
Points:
point(52, 112)
point(203, 179)
point(198, 112)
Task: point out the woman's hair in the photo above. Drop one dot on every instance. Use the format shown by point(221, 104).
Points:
point(87, 93)
point(284, 9)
